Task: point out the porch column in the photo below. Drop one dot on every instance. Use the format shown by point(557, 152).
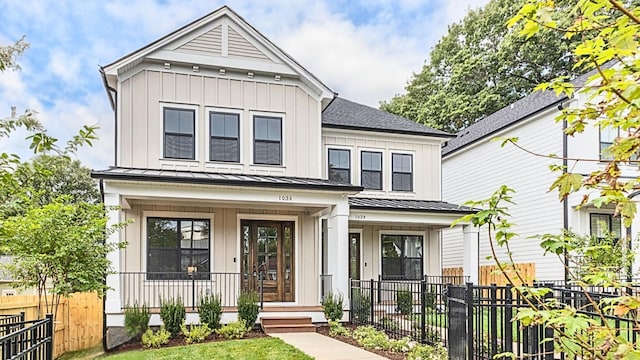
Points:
point(470, 259)
point(113, 303)
point(338, 249)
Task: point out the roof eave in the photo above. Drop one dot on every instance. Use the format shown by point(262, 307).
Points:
point(395, 131)
point(438, 211)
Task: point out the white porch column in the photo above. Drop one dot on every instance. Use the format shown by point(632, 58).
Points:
point(338, 249)
point(113, 303)
point(470, 259)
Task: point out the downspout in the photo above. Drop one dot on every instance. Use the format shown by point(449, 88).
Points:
point(565, 202)
point(104, 297)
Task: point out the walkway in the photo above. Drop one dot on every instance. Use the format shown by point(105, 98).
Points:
point(325, 348)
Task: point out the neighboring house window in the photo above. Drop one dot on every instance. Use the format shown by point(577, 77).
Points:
point(401, 257)
point(607, 136)
point(267, 140)
point(225, 137)
point(402, 172)
point(179, 133)
point(371, 170)
point(340, 165)
point(603, 224)
point(174, 245)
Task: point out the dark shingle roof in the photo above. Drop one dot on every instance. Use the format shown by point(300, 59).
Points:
point(346, 114)
point(522, 109)
point(193, 177)
point(408, 205)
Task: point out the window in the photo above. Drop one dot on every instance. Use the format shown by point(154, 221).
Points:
point(603, 224)
point(267, 143)
point(179, 133)
point(225, 139)
point(607, 136)
point(340, 165)
point(371, 170)
point(174, 245)
point(402, 172)
point(401, 257)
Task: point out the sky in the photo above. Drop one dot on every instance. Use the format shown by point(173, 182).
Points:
point(366, 50)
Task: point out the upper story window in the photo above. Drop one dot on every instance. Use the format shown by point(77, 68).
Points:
point(179, 133)
point(607, 136)
point(225, 137)
point(402, 172)
point(340, 165)
point(371, 176)
point(605, 224)
point(267, 140)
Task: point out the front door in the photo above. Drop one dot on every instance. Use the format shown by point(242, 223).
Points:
point(354, 256)
point(267, 259)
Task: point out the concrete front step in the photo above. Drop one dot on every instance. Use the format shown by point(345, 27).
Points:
point(285, 324)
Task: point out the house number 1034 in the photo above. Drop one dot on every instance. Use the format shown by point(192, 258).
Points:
point(285, 197)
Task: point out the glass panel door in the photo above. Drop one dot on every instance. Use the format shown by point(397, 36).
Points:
point(354, 256)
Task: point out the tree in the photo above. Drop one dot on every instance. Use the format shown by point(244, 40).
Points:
point(479, 67)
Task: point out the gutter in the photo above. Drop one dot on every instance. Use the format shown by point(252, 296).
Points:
point(113, 101)
point(565, 202)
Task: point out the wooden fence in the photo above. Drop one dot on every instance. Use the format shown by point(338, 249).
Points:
point(489, 274)
point(78, 324)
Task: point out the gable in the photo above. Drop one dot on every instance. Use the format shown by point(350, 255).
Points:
point(208, 44)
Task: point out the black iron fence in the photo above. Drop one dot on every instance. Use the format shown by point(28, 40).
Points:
point(8, 323)
point(151, 288)
point(31, 340)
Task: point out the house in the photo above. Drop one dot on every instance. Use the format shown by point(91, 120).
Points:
point(474, 166)
point(241, 170)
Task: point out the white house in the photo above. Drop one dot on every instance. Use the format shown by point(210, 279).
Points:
point(237, 165)
point(474, 166)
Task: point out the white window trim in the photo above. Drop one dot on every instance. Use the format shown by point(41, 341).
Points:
point(208, 110)
point(352, 161)
point(413, 171)
point(296, 223)
point(385, 181)
point(173, 214)
point(359, 231)
point(196, 130)
point(252, 115)
point(399, 232)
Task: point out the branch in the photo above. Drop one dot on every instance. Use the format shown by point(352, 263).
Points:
point(622, 9)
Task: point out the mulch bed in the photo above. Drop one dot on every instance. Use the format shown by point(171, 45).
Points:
point(324, 330)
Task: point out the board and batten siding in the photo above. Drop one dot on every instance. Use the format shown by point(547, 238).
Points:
point(426, 160)
point(140, 129)
point(475, 172)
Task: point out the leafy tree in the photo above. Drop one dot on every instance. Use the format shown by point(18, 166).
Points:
point(479, 67)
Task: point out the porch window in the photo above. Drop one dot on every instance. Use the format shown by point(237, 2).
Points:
point(371, 170)
point(603, 224)
point(402, 172)
point(174, 245)
point(340, 165)
point(179, 133)
point(402, 257)
point(267, 140)
point(225, 139)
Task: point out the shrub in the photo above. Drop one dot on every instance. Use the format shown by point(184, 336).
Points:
point(404, 301)
point(210, 310)
point(400, 345)
point(172, 314)
point(157, 339)
point(248, 308)
point(389, 324)
point(336, 329)
point(427, 352)
point(233, 330)
point(195, 333)
point(361, 304)
point(429, 298)
point(332, 305)
point(370, 338)
point(136, 320)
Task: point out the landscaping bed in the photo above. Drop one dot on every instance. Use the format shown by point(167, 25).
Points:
point(324, 330)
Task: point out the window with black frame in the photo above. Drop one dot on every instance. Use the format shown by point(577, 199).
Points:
point(174, 245)
point(402, 172)
point(267, 140)
point(371, 170)
point(402, 257)
point(179, 133)
point(340, 165)
point(224, 129)
point(603, 225)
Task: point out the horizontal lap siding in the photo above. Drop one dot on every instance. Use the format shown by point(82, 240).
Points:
point(209, 43)
point(240, 47)
point(475, 173)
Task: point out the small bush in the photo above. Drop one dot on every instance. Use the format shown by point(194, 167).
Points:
point(173, 314)
point(427, 352)
point(389, 324)
point(210, 310)
point(332, 305)
point(401, 345)
point(404, 301)
point(361, 306)
point(370, 338)
point(233, 330)
point(195, 333)
point(336, 329)
point(157, 339)
point(136, 320)
point(248, 308)
point(429, 298)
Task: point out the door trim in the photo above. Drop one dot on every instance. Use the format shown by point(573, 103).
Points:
point(296, 250)
point(359, 231)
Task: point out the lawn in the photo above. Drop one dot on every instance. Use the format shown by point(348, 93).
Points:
point(249, 349)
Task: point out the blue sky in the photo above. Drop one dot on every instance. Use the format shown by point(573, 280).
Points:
point(365, 50)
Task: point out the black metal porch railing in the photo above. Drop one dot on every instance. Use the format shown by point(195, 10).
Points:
point(28, 340)
point(151, 288)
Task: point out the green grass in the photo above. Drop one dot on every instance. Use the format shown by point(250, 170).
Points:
point(249, 349)
point(86, 354)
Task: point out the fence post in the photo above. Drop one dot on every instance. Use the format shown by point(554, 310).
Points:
point(423, 311)
point(469, 304)
point(508, 315)
point(351, 300)
point(548, 332)
point(49, 344)
point(493, 313)
point(379, 288)
point(371, 300)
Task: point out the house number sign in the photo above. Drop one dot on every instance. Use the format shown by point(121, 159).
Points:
point(285, 197)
